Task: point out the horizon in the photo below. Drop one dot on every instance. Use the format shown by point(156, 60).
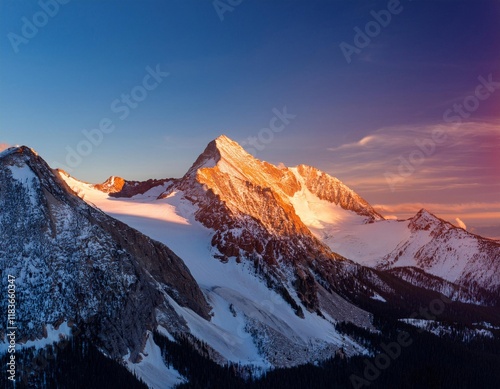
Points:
point(406, 114)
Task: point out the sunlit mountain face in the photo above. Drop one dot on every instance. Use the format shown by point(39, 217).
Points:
point(239, 262)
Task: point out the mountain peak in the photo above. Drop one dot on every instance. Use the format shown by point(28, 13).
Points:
point(112, 185)
point(424, 220)
point(425, 214)
point(24, 162)
point(228, 148)
point(224, 139)
point(221, 148)
point(19, 150)
point(224, 165)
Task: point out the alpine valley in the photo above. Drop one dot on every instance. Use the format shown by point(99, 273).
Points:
point(240, 274)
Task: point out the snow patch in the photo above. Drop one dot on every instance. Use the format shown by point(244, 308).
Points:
point(27, 178)
point(439, 329)
point(378, 298)
point(53, 336)
point(152, 369)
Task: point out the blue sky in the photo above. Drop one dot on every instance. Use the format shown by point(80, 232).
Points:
point(230, 76)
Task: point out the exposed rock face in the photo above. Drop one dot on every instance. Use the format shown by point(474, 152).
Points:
point(118, 187)
point(247, 204)
point(111, 185)
point(74, 263)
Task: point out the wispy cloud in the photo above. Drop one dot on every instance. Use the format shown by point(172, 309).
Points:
point(466, 156)
point(457, 178)
point(354, 145)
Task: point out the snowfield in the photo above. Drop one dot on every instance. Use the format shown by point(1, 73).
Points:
point(237, 296)
point(240, 300)
point(423, 241)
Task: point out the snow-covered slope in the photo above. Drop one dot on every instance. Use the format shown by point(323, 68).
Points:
point(75, 264)
point(425, 242)
point(254, 210)
point(251, 323)
point(271, 259)
point(320, 214)
point(332, 190)
point(151, 368)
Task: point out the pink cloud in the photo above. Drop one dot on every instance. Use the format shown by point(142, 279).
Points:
point(403, 164)
point(403, 169)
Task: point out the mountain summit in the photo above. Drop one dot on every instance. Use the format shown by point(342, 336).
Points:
point(224, 156)
point(220, 149)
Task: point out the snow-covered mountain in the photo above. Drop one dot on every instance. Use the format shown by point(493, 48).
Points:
point(251, 207)
point(75, 264)
point(425, 242)
point(449, 252)
point(256, 214)
point(258, 317)
point(300, 225)
point(267, 260)
point(287, 216)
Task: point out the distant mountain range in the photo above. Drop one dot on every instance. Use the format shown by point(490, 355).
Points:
point(259, 263)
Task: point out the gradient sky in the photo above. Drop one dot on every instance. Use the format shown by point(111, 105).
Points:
point(357, 121)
